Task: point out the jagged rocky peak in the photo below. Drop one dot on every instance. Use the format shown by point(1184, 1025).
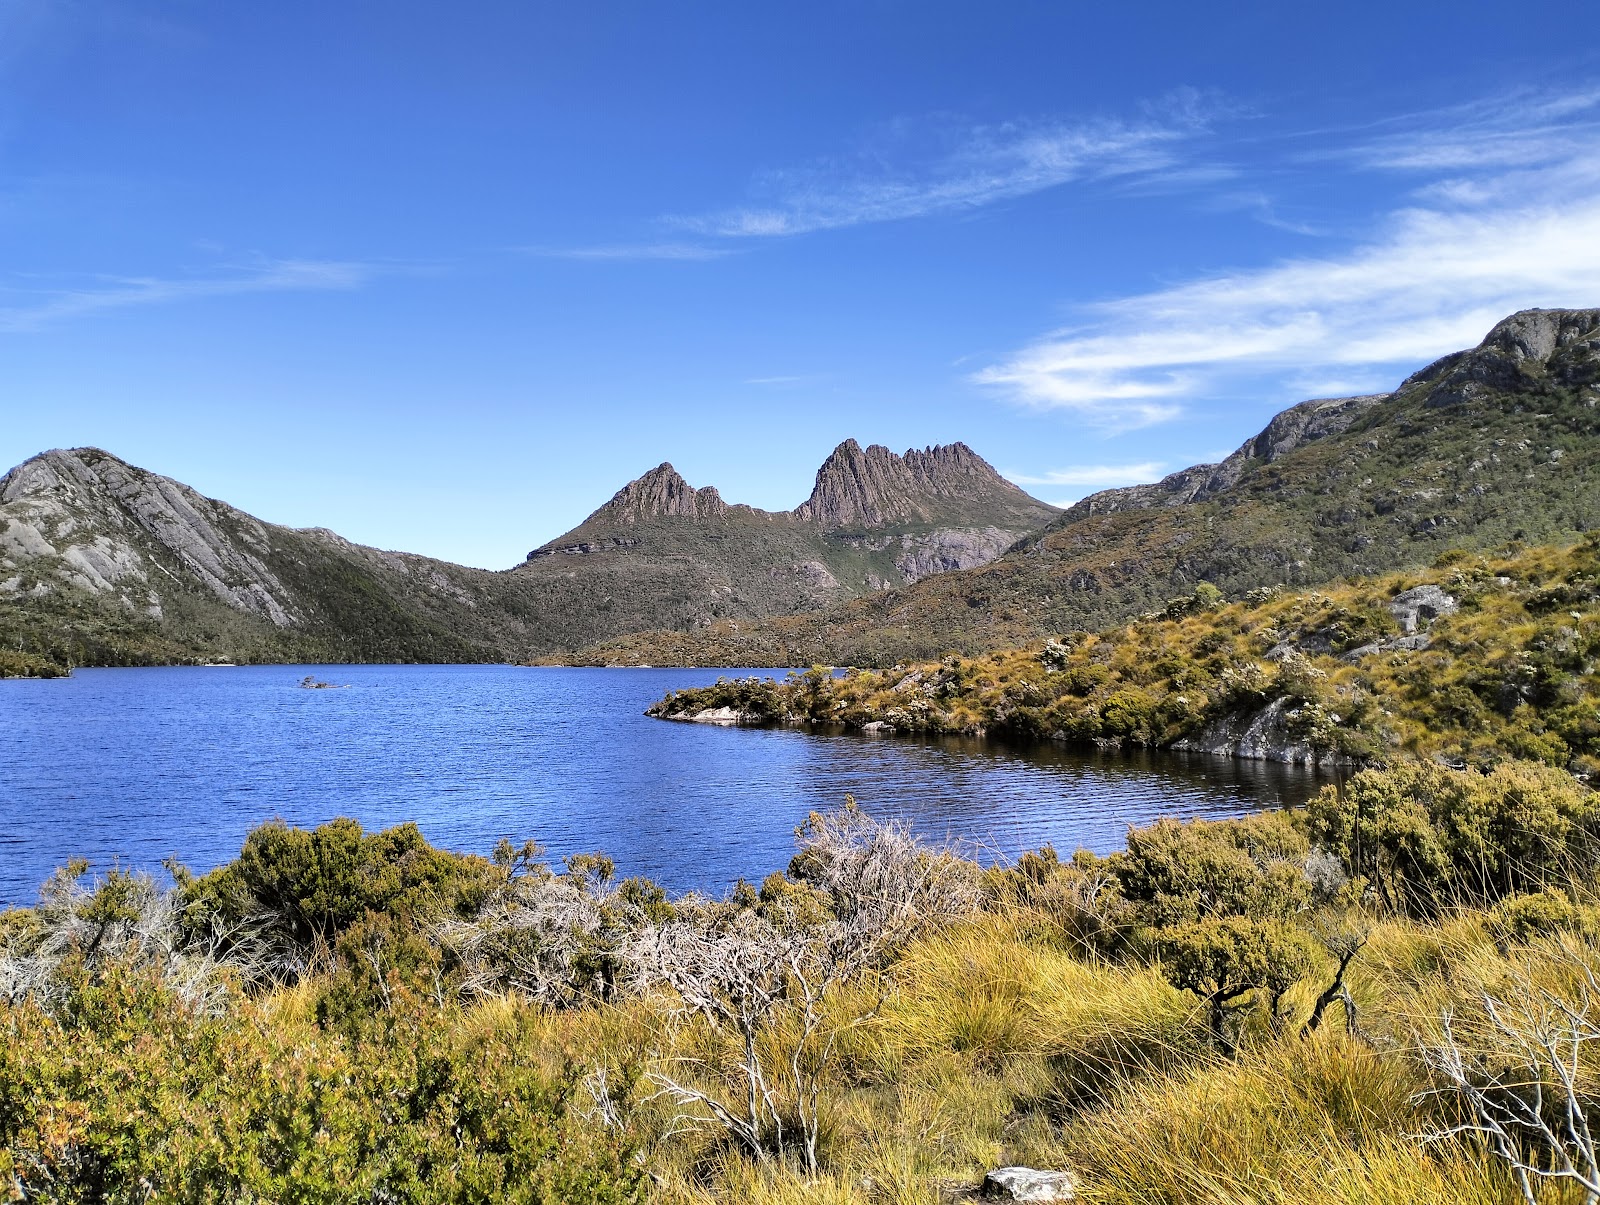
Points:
point(662, 491)
point(872, 487)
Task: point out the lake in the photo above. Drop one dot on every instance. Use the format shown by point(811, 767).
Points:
point(131, 765)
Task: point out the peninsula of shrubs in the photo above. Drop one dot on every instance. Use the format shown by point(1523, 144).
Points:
point(1479, 658)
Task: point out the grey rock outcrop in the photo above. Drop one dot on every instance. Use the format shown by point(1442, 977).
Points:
point(1262, 735)
point(1420, 606)
point(1029, 1184)
point(1558, 343)
point(942, 551)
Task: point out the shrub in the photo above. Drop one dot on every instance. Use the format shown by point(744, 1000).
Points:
point(137, 1097)
point(1427, 836)
point(1223, 959)
point(1181, 872)
point(310, 887)
point(1522, 918)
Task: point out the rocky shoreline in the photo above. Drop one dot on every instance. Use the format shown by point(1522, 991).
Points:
point(1259, 736)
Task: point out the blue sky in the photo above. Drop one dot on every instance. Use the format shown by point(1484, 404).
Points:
point(443, 277)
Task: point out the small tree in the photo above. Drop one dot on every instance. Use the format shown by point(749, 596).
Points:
point(1224, 959)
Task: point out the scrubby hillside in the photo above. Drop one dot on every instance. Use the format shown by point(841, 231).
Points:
point(1498, 443)
point(1479, 658)
point(103, 563)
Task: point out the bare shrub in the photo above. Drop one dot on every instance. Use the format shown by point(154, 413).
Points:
point(883, 883)
point(558, 939)
point(766, 969)
point(80, 925)
point(1522, 1067)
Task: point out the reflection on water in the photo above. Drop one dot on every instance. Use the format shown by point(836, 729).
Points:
point(136, 764)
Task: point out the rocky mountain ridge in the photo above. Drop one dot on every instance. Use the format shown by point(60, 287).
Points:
point(890, 559)
point(662, 553)
point(104, 562)
point(873, 487)
point(855, 487)
point(1494, 444)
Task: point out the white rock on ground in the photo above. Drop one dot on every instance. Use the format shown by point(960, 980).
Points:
point(1029, 1184)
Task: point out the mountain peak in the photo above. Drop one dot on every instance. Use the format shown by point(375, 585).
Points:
point(873, 487)
point(1560, 345)
point(663, 491)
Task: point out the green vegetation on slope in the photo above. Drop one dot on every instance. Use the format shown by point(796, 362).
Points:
point(1502, 664)
point(1268, 1009)
point(1484, 447)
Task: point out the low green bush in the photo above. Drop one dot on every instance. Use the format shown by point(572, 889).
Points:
point(312, 886)
point(134, 1097)
point(1428, 837)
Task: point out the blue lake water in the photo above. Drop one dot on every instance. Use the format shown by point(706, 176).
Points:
point(131, 765)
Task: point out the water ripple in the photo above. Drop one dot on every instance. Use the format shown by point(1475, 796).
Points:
point(131, 765)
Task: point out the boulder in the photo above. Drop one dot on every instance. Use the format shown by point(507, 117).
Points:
point(1029, 1184)
point(714, 715)
point(1420, 606)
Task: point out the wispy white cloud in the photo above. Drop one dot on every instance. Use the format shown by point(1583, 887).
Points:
point(1519, 129)
point(913, 170)
point(30, 309)
point(775, 380)
point(1264, 209)
point(624, 252)
point(1435, 275)
point(1101, 476)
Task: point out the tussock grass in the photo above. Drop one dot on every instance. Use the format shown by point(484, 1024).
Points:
point(1279, 1124)
point(986, 993)
point(1040, 1028)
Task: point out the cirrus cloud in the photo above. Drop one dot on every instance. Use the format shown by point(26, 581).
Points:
point(33, 308)
point(1507, 230)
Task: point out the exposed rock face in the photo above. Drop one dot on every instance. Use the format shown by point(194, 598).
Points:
point(856, 488)
point(660, 492)
point(942, 551)
point(55, 506)
point(872, 487)
point(1258, 736)
point(1420, 606)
